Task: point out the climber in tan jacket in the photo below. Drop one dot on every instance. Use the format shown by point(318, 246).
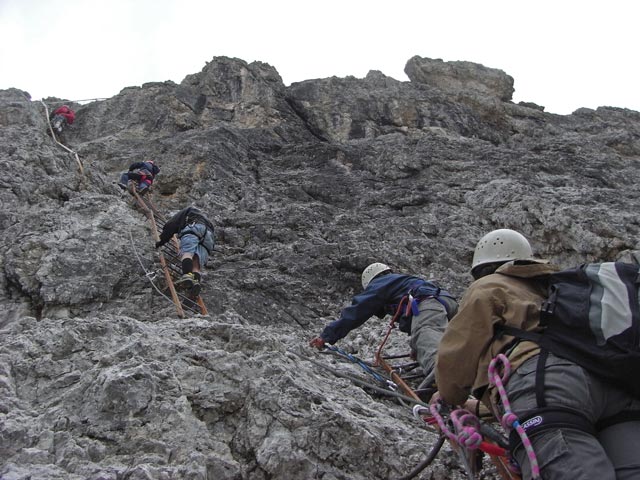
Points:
point(493, 299)
point(579, 425)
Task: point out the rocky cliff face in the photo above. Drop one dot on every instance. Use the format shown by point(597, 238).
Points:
point(307, 184)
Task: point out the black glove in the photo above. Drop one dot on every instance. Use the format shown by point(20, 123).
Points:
point(158, 244)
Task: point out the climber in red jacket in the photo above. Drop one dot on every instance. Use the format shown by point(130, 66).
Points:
point(61, 117)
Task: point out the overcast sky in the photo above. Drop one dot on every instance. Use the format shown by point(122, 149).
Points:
point(562, 54)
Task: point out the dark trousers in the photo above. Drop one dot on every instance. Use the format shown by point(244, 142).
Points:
point(569, 453)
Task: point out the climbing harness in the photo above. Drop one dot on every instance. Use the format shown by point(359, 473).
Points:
point(53, 135)
point(409, 305)
point(190, 230)
point(509, 419)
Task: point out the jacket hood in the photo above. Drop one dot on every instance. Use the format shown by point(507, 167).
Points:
point(518, 268)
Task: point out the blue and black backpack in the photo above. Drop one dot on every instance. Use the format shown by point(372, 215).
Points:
point(592, 317)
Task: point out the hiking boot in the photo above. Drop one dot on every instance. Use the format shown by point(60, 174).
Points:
point(196, 288)
point(185, 282)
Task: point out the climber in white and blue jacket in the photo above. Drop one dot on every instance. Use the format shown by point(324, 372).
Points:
point(426, 309)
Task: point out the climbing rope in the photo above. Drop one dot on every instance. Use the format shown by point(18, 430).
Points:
point(181, 301)
point(471, 430)
point(151, 276)
point(383, 391)
point(82, 100)
point(427, 461)
point(148, 274)
point(392, 324)
point(509, 419)
point(433, 410)
point(53, 135)
point(28, 100)
point(358, 381)
point(363, 365)
point(466, 425)
point(469, 435)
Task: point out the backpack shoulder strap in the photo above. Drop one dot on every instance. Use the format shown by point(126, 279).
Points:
point(517, 332)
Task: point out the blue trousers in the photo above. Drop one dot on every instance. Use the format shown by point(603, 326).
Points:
point(190, 242)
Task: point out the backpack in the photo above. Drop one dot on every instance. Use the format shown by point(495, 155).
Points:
point(591, 316)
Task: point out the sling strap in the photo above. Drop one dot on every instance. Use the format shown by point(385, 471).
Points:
point(542, 419)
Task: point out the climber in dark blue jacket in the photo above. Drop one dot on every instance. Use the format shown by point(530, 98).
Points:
point(143, 173)
point(425, 310)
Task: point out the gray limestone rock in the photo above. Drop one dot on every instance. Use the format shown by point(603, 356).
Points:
point(306, 184)
point(460, 77)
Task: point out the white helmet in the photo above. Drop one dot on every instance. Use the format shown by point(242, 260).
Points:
point(373, 271)
point(501, 246)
